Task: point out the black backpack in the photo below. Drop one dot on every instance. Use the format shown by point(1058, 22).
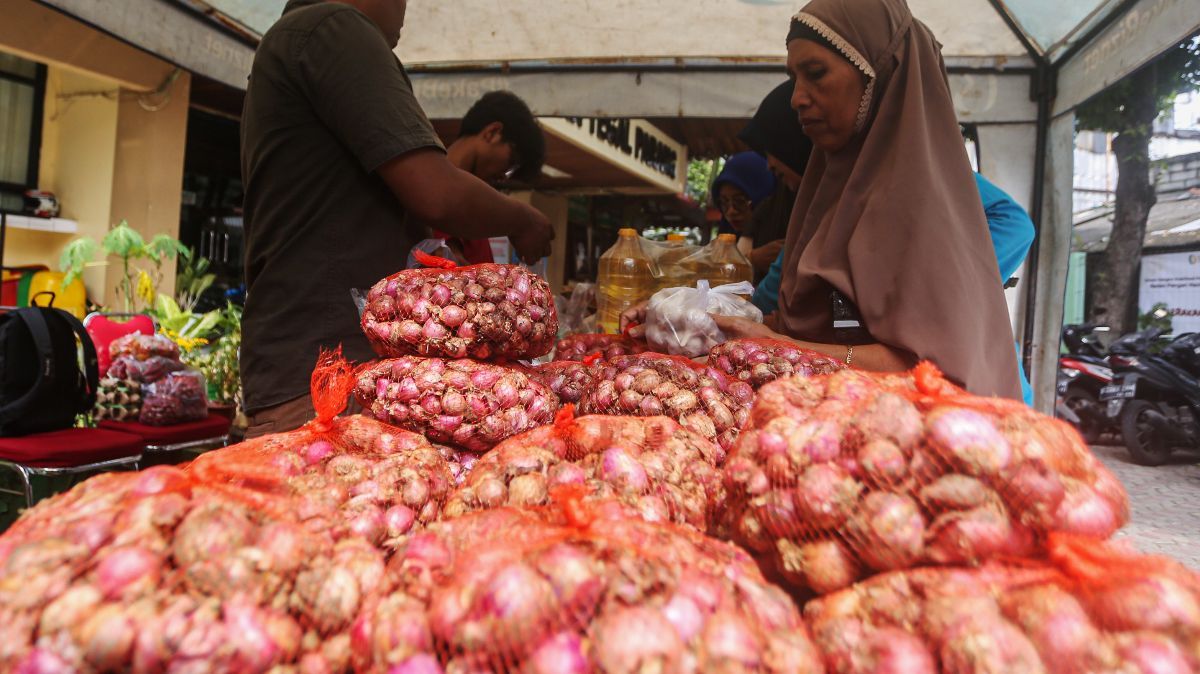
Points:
point(42, 387)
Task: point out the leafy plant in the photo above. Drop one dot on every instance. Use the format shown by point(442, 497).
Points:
point(126, 243)
point(218, 361)
point(193, 279)
point(1159, 316)
point(184, 324)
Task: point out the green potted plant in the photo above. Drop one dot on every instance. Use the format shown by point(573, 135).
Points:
point(136, 287)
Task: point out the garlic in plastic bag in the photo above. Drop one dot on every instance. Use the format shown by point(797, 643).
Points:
point(679, 320)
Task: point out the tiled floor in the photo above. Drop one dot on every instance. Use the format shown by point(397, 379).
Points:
point(1165, 503)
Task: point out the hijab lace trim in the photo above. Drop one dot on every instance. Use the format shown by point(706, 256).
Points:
point(851, 54)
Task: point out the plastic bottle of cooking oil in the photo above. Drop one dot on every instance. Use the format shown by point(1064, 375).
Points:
point(625, 279)
point(720, 262)
point(673, 273)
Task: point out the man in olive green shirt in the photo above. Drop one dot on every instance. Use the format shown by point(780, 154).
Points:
point(343, 173)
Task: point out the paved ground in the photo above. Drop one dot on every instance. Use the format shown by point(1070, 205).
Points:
point(1166, 504)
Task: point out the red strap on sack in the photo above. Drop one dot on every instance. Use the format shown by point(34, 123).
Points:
point(629, 328)
point(592, 358)
point(433, 260)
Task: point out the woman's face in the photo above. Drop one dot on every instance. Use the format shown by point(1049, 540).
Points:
point(735, 206)
point(827, 93)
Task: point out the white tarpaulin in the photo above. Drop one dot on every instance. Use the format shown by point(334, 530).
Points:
point(1173, 279)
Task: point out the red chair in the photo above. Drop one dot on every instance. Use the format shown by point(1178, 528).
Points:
point(104, 331)
point(159, 442)
point(71, 451)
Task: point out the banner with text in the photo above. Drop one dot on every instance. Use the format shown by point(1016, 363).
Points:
point(1173, 279)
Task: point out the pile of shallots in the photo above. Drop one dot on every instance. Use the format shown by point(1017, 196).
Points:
point(483, 311)
point(574, 590)
point(841, 476)
point(1141, 615)
point(700, 398)
point(466, 403)
point(661, 471)
point(577, 347)
point(762, 361)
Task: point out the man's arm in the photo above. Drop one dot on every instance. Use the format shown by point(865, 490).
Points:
point(439, 195)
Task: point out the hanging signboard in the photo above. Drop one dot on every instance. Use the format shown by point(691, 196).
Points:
point(634, 145)
point(1173, 279)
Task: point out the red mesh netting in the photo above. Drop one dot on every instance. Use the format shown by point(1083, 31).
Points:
point(841, 475)
point(1111, 612)
point(569, 379)
point(254, 556)
point(576, 347)
point(762, 361)
point(482, 311)
point(462, 402)
point(649, 384)
point(558, 590)
point(662, 471)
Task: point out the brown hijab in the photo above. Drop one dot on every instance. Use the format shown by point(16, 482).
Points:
point(893, 221)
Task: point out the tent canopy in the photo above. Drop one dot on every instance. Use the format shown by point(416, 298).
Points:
point(473, 31)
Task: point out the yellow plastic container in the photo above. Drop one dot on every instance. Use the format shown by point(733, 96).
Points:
point(625, 278)
point(721, 262)
point(72, 299)
point(673, 273)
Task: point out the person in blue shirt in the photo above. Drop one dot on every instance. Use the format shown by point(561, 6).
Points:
point(1012, 233)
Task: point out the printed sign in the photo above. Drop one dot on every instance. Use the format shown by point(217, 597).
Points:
point(1173, 279)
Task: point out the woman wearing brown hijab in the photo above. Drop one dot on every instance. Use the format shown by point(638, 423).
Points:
point(888, 259)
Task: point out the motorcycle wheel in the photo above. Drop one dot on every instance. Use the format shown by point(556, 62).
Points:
point(1077, 399)
point(1145, 444)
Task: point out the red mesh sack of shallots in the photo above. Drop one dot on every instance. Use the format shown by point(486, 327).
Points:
point(568, 379)
point(156, 572)
point(554, 590)
point(1102, 610)
point(460, 462)
point(345, 476)
point(662, 471)
point(842, 475)
point(253, 557)
point(762, 361)
point(462, 402)
point(649, 384)
point(577, 347)
point(481, 311)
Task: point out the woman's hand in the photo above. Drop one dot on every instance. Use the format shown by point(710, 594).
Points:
point(635, 314)
point(744, 328)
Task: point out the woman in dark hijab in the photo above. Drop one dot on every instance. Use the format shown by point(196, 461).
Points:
point(888, 235)
point(775, 133)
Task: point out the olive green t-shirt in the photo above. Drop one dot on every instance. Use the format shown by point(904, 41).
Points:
point(327, 104)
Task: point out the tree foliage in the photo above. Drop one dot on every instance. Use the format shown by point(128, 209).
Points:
point(1175, 72)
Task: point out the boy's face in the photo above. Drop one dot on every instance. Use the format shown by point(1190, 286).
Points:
point(496, 157)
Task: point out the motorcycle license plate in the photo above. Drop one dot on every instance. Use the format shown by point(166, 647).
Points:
point(1118, 391)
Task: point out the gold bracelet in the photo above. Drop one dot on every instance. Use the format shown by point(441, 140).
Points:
point(849, 353)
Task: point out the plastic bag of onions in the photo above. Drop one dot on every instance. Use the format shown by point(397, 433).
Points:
point(842, 475)
point(1111, 613)
point(481, 311)
point(762, 361)
point(567, 591)
point(462, 402)
point(649, 384)
point(576, 347)
point(157, 571)
point(662, 471)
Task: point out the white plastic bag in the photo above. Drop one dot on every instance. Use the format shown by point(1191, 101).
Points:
point(679, 321)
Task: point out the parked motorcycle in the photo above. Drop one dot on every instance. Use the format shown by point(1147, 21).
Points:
point(1082, 372)
point(1155, 397)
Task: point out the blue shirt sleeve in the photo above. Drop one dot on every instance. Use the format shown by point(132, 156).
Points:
point(766, 294)
point(1011, 229)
